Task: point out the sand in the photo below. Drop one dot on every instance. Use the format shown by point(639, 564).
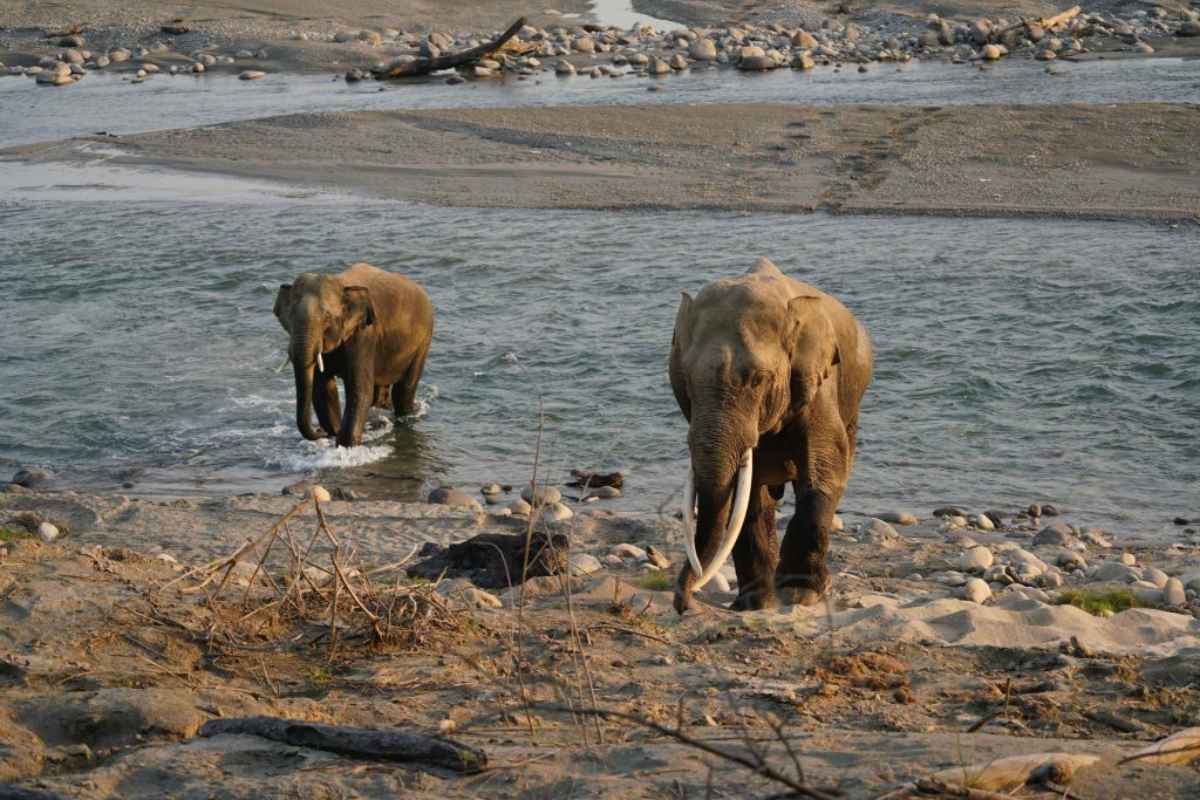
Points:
point(1133, 161)
point(110, 666)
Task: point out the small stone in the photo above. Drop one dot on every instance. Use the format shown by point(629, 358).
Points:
point(983, 522)
point(197, 68)
point(1095, 536)
point(1058, 534)
point(252, 75)
point(878, 532)
point(1173, 593)
point(659, 67)
point(1034, 510)
point(31, 477)
point(446, 727)
point(585, 564)
point(976, 590)
point(805, 39)
point(544, 495)
point(1071, 560)
point(71, 40)
point(703, 50)
point(478, 598)
point(1046, 55)
point(899, 518)
point(1189, 28)
point(1115, 571)
point(452, 497)
point(604, 492)
point(1155, 576)
point(118, 54)
point(803, 60)
point(1129, 559)
point(991, 52)
point(320, 494)
point(556, 512)
point(1050, 580)
point(1181, 521)
point(977, 559)
point(678, 62)
point(520, 506)
point(584, 44)
point(47, 532)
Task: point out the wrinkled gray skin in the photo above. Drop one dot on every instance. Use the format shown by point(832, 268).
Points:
point(373, 329)
point(766, 362)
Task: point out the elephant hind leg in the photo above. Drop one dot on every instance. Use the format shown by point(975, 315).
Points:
point(404, 391)
point(382, 396)
point(755, 555)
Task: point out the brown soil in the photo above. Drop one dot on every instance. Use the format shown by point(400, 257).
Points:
point(110, 663)
point(1126, 161)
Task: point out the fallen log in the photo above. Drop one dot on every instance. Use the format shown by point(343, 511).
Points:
point(360, 742)
point(1180, 748)
point(1052, 23)
point(424, 66)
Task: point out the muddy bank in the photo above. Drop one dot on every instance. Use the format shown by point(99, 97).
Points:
point(1128, 161)
point(115, 653)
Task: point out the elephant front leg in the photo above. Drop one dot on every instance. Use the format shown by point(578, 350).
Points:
point(755, 556)
point(803, 575)
point(326, 403)
point(360, 390)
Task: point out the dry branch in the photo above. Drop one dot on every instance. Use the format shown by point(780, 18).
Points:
point(424, 66)
point(359, 742)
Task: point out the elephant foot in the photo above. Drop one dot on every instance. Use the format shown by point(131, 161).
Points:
point(754, 601)
point(805, 593)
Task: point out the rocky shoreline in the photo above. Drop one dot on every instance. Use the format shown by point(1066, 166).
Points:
point(1006, 632)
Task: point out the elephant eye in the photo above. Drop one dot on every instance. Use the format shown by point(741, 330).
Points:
point(757, 379)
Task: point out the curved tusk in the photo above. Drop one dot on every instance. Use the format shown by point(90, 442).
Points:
point(741, 502)
point(286, 360)
point(320, 363)
point(689, 523)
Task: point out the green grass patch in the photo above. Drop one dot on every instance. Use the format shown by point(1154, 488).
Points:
point(659, 581)
point(12, 534)
point(1098, 602)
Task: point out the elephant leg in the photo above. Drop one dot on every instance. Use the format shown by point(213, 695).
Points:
point(360, 389)
point(382, 396)
point(327, 404)
point(755, 555)
point(803, 576)
point(706, 548)
point(404, 392)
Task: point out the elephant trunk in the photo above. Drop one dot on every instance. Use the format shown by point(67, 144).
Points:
point(305, 352)
point(720, 478)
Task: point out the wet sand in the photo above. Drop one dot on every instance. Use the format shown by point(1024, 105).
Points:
point(1133, 161)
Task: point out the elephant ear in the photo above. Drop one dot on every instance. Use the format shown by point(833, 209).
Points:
point(814, 346)
point(282, 301)
point(679, 343)
point(357, 310)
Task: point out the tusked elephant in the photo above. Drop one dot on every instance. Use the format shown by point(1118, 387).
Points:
point(369, 327)
point(769, 373)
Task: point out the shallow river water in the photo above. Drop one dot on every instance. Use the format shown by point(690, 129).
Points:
point(1017, 360)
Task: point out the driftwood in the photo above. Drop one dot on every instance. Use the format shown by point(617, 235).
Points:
point(1007, 774)
point(361, 742)
point(591, 480)
point(1180, 748)
point(424, 66)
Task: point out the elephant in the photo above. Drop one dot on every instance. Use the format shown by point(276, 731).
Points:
point(769, 373)
point(369, 327)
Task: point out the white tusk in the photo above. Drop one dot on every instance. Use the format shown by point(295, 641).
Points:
point(286, 360)
point(320, 363)
point(741, 502)
point(689, 522)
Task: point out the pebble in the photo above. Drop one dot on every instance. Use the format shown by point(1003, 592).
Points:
point(564, 67)
point(1059, 534)
point(803, 61)
point(1129, 559)
point(1115, 571)
point(320, 494)
point(585, 564)
point(31, 477)
point(976, 590)
point(604, 492)
point(520, 506)
point(197, 68)
point(1095, 537)
point(703, 50)
point(949, 511)
point(977, 559)
point(252, 75)
point(478, 598)
point(899, 518)
point(1173, 593)
point(544, 495)
point(557, 512)
point(1071, 560)
point(1155, 576)
point(1050, 580)
point(47, 532)
point(678, 62)
point(452, 497)
point(878, 532)
point(983, 522)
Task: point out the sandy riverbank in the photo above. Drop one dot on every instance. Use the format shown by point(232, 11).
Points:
point(1128, 161)
point(111, 663)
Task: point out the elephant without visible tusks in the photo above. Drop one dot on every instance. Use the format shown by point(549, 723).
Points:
point(369, 327)
point(769, 373)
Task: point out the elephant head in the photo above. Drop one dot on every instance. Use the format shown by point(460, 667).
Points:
point(320, 315)
point(747, 358)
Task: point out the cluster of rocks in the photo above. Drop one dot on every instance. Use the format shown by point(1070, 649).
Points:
point(1056, 557)
point(645, 50)
point(72, 63)
point(548, 500)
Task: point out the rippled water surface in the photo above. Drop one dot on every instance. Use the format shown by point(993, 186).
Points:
point(1017, 360)
point(108, 102)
